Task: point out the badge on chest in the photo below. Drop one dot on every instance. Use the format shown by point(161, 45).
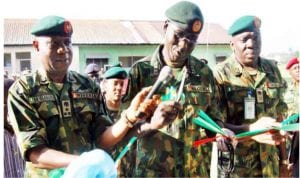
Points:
point(66, 108)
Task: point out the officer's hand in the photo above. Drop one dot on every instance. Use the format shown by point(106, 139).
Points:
point(165, 113)
point(264, 122)
point(148, 106)
point(285, 170)
point(223, 141)
point(272, 137)
point(140, 104)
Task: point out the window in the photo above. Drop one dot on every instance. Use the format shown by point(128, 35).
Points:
point(24, 57)
point(128, 61)
point(220, 58)
point(25, 65)
point(7, 60)
point(101, 62)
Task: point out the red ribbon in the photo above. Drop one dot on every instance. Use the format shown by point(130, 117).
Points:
point(211, 139)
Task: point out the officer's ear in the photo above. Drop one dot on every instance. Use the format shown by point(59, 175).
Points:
point(166, 25)
point(231, 43)
point(35, 44)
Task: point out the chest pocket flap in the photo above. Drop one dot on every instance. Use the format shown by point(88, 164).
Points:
point(236, 94)
point(85, 102)
point(198, 95)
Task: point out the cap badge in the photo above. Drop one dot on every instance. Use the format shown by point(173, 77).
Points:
point(257, 22)
point(196, 26)
point(67, 27)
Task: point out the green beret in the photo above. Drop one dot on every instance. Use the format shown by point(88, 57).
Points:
point(186, 15)
point(243, 24)
point(52, 26)
point(115, 72)
point(117, 65)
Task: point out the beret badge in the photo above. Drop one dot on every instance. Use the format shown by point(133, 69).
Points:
point(196, 26)
point(67, 27)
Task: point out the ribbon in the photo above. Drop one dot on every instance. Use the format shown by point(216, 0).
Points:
point(206, 122)
point(203, 115)
point(126, 149)
point(291, 119)
point(203, 123)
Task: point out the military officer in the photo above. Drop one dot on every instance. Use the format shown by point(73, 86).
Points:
point(169, 152)
point(251, 97)
point(92, 71)
point(111, 86)
point(58, 114)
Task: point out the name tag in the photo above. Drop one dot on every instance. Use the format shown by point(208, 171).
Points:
point(274, 85)
point(249, 108)
point(41, 98)
point(197, 88)
point(84, 95)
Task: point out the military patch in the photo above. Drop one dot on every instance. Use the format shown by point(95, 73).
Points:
point(196, 26)
point(41, 98)
point(257, 22)
point(67, 27)
point(274, 85)
point(66, 108)
point(197, 88)
point(259, 95)
point(82, 95)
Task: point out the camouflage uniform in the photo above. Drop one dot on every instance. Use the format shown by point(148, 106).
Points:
point(292, 98)
point(114, 151)
point(169, 152)
point(251, 158)
point(66, 120)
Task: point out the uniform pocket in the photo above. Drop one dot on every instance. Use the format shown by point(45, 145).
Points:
point(85, 109)
point(198, 95)
point(236, 95)
point(272, 93)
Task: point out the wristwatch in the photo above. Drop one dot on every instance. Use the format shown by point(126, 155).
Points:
point(126, 120)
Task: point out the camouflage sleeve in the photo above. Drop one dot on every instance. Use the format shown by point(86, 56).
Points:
point(221, 99)
point(214, 109)
point(282, 107)
point(29, 128)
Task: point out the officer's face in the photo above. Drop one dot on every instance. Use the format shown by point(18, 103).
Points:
point(55, 52)
point(94, 76)
point(179, 43)
point(113, 89)
point(295, 72)
point(246, 47)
